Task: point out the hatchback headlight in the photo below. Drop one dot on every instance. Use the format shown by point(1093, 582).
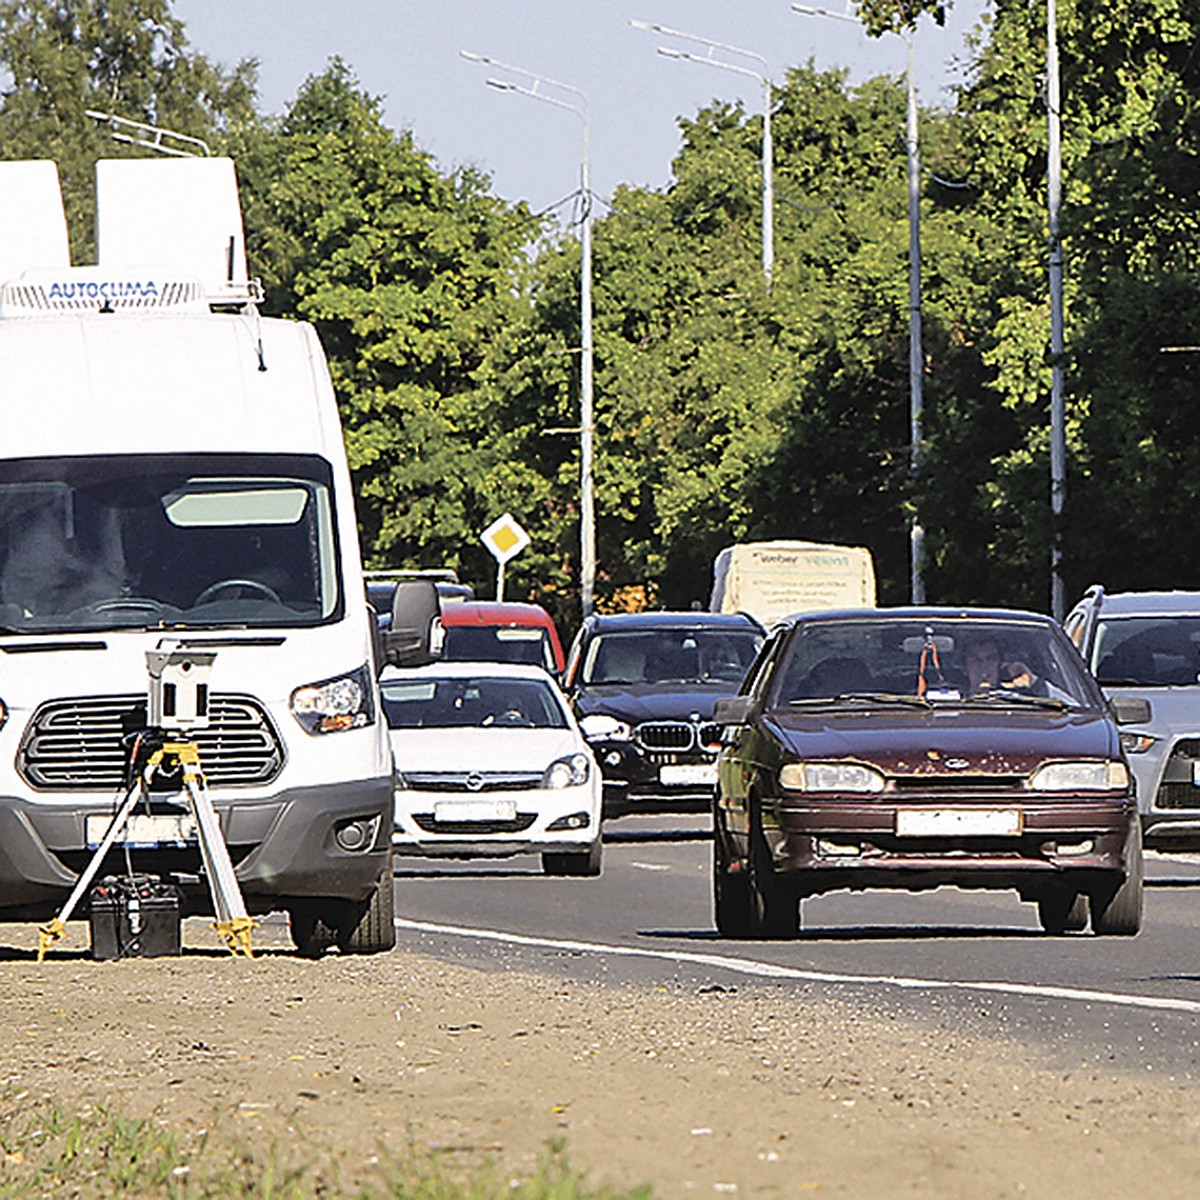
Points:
point(335, 704)
point(1136, 743)
point(571, 771)
point(1102, 776)
point(600, 727)
point(830, 777)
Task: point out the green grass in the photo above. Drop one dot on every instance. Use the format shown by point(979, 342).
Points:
point(47, 1152)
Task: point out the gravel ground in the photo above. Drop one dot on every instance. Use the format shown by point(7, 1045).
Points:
point(756, 1091)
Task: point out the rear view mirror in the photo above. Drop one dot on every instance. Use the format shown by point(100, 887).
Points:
point(734, 710)
point(914, 645)
point(1130, 710)
point(415, 636)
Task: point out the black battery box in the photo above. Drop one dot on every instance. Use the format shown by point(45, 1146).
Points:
point(135, 916)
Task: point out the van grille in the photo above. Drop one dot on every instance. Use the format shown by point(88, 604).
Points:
point(77, 744)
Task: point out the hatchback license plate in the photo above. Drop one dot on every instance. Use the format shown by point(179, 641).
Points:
point(475, 810)
point(146, 829)
point(685, 773)
point(957, 822)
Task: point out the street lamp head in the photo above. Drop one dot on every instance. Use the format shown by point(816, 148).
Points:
point(648, 26)
point(501, 85)
point(471, 56)
point(808, 10)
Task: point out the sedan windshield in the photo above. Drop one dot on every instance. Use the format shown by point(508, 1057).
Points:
point(671, 655)
point(1147, 651)
point(957, 660)
point(474, 703)
point(177, 541)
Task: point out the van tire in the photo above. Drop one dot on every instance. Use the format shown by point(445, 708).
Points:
point(374, 930)
point(367, 927)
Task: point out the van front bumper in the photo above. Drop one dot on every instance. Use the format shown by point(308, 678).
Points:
point(283, 846)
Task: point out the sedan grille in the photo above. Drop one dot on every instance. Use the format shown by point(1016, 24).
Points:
point(79, 744)
point(472, 781)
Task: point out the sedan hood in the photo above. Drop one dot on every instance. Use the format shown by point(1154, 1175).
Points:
point(973, 741)
point(492, 749)
point(638, 702)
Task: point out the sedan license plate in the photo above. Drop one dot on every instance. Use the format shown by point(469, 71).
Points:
point(957, 822)
point(146, 830)
point(475, 810)
point(688, 773)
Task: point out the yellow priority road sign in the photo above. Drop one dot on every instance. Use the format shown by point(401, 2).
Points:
point(504, 538)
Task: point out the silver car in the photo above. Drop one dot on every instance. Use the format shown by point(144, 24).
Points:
point(1144, 647)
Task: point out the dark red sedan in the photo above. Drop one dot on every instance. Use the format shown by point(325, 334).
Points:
point(912, 748)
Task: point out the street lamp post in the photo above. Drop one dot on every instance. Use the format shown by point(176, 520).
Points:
point(916, 359)
point(587, 424)
point(768, 153)
point(1058, 437)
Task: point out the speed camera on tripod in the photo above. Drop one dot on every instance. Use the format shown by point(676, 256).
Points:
point(178, 697)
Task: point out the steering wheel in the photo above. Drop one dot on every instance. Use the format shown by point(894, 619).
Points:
point(250, 585)
point(126, 604)
point(512, 717)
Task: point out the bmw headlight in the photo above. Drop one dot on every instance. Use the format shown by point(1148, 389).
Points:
point(830, 777)
point(332, 705)
point(571, 771)
point(1106, 775)
point(600, 727)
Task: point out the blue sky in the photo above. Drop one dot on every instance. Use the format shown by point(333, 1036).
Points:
point(407, 53)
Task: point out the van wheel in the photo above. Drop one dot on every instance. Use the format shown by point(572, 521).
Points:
point(588, 864)
point(1118, 910)
point(367, 927)
point(371, 928)
point(1063, 912)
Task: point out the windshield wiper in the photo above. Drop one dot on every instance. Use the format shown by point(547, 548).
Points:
point(864, 697)
point(1018, 699)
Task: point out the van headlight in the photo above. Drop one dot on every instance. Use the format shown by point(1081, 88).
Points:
point(332, 705)
point(567, 772)
point(830, 777)
point(1098, 776)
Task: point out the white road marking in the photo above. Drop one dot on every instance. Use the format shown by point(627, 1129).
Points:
point(766, 970)
point(650, 866)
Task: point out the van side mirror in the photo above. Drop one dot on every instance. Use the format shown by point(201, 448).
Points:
point(415, 636)
point(734, 710)
point(1130, 710)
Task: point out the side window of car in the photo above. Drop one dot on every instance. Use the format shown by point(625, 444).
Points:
point(759, 674)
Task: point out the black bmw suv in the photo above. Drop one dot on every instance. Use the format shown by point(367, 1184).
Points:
point(643, 686)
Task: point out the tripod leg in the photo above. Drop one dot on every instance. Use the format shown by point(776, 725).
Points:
point(49, 933)
point(233, 924)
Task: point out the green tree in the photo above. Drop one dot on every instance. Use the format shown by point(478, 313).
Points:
point(412, 279)
point(130, 58)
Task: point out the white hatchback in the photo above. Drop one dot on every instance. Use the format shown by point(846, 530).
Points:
point(490, 762)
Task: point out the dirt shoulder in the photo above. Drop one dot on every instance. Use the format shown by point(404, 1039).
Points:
point(762, 1092)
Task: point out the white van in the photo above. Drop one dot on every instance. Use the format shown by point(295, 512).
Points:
point(172, 472)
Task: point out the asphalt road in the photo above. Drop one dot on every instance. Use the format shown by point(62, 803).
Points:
point(948, 958)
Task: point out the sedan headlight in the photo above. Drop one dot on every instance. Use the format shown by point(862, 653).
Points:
point(571, 771)
point(335, 704)
point(830, 777)
point(600, 727)
point(1102, 776)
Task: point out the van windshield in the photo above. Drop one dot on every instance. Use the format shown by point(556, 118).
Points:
point(148, 541)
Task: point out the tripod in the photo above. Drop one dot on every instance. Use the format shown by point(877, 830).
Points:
point(232, 924)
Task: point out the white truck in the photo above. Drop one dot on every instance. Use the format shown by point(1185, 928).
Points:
point(172, 473)
point(772, 580)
